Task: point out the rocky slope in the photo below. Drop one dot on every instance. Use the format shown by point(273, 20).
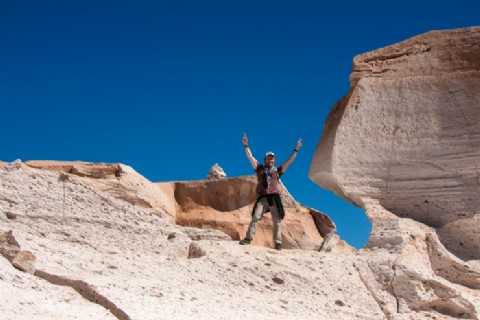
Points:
point(223, 204)
point(102, 238)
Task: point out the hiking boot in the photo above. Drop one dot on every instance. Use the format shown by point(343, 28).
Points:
point(278, 246)
point(245, 241)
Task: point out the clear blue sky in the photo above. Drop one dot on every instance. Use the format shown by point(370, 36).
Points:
point(169, 87)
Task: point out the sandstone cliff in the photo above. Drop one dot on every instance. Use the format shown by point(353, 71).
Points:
point(404, 144)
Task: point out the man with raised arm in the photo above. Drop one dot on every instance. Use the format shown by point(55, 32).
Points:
point(268, 192)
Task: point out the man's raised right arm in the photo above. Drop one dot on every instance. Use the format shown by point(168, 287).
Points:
point(248, 152)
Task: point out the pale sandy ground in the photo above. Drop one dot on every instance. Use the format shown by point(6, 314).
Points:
point(148, 268)
point(99, 257)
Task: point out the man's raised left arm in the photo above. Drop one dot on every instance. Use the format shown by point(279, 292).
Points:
point(292, 156)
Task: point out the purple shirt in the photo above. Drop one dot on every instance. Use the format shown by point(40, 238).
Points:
point(268, 179)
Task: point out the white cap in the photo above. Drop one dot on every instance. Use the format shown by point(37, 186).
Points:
point(269, 153)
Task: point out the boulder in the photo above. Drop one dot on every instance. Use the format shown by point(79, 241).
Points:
point(25, 261)
point(216, 172)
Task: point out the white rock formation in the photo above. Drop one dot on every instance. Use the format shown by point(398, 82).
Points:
point(13, 166)
point(216, 172)
point(404, 144)
point(99, 257)
point(220, 204)
point(118, 180)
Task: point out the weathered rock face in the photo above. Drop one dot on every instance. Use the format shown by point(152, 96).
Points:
point(119, 180)
point(72, 234)
point(72, 250)
point(408, 134)
point(404, 143)
point(221, 204)
point(227, 204)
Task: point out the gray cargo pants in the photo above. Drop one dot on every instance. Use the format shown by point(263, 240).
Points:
point(261, 207)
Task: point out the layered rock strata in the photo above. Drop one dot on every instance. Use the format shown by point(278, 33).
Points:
point(227, 205)
point(71, 250)
point(404, 144)
point(223, 204)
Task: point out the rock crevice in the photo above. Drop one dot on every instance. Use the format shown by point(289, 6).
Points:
point(10, 249)
point(87, 291)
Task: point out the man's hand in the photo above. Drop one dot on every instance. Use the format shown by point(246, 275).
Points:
point(299, 144)
point(245, 139)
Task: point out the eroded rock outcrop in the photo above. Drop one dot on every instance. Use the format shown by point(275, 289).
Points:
point(226, 205)
point(118, 180)
point(404, 144)
point(223, 204)
point(97, 256)
point(216, 172)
